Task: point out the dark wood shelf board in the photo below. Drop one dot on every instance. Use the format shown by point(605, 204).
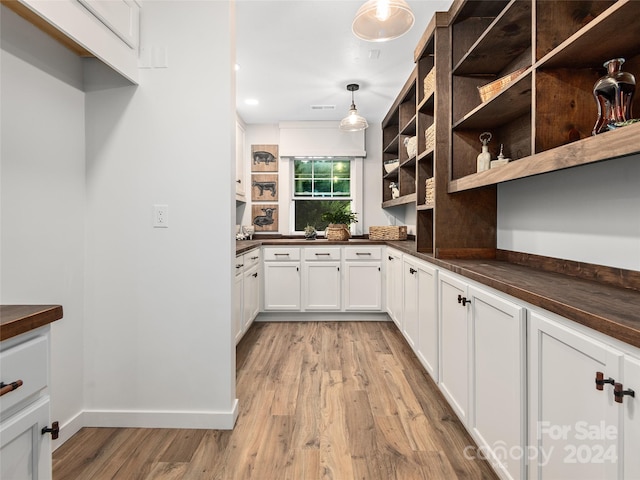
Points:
point(427, 104)
point(591, 46)
point(410, 127)
point(617, 143)
point(403, 200)
point(489, 55)
point(511, 103)
point(410, 162)
point(426, 154)
point(392, 147)
point(425, 207)
point(393, 174)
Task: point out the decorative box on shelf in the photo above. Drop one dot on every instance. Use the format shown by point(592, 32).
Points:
point(430, 83)
point(388, 233)
point(430, 138)
point(490, 90)
point(430, 196)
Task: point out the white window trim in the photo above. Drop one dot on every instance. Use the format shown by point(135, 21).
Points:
point(356, 195)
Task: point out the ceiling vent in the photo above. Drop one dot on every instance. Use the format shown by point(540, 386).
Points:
point(323, 107)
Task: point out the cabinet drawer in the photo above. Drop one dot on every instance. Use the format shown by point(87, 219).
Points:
point(251, 258)
point(27, 362)
point(327, 253)
point(281, 254)
point(239, 265)
point(363, 253)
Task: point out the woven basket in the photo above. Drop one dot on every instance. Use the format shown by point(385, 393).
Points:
point(430, 83)
point(490, 90)
point(430, 138)
point(338, 232)
point(388, 233)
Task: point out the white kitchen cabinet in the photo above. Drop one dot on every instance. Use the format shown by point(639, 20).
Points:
point(428, 331)
point(455, 341)
point(410, 302)
point(106, 29)
point(497, 413)
point(122, 17)
point(363, 278)
point(238, 299)
point(322, 286)
point(282, 279)
point(240, 160)
point(573, 425)
point(631, 418)
point(25, 449)
point(251, 296)
point(393, 285)
point(322, 279)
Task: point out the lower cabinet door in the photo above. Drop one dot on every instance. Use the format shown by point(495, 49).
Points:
point(410, 303)
point(237, 307)
point(322, 286)
point(455, 344)
point(282, 286)
point(428, 349)
point(574, 426)
point(631, 422)
point(251, 296)
point(498, 367)
point(363, 286)
point(25, 453)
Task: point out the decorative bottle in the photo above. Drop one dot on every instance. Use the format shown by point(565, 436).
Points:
point(484, 157)
point(614, 95)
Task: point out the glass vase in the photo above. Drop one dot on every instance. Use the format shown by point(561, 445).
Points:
point(614, 95)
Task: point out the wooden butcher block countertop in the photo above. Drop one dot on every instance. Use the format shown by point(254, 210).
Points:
point(17, 319)
point(602, 298)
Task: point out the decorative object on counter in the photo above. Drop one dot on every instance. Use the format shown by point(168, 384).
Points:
point(395, 191)
point(614, 96)
point(411, 143)
point(613, 126)
point(391, 165)
point(264, 158)
point(490, 90)
point(353, 122)
point(265, 217)
point(264, 187)
point(388, 232)
point(501, 160)
point(430, 83)
point(339, 218)
point(430, 138)
point(248, 231)
point(430, 192)
point(484, 157)
point(382, 20)
point(310, 232)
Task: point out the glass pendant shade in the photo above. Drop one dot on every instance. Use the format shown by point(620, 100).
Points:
point(382, 20)
point(353, 122)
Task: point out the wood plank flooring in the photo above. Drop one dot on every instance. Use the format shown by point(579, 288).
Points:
point(318, 400)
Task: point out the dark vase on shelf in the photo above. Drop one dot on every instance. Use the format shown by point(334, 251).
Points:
point(613, 94)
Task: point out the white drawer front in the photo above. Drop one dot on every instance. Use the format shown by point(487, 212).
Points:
point(281, 254)
point(239, 265)
point(324, 253)
point(363, 253)
point(27, 362)
point(251, 258)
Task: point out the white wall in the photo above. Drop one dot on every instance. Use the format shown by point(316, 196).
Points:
point(43, 194)
point(589, 214)
point(158, 343)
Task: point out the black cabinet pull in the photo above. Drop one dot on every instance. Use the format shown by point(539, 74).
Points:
point(255, 275)
point(600, 381)
point(463, 300)
point(619, 393)
point(54, 430)
point(412, 271)
point(390, 257)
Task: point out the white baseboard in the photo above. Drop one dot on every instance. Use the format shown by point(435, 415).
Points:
point(322, 317)
point(148, 419)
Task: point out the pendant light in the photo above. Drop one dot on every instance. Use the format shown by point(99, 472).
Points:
point(353, 122)
point(382, 20)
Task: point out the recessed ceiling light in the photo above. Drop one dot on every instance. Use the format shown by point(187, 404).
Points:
point(251, 101)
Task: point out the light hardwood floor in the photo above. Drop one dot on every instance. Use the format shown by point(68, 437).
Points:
point(328, 400)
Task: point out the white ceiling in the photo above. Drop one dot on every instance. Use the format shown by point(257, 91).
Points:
point(297, 53)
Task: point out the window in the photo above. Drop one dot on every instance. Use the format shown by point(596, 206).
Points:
point(317, 184)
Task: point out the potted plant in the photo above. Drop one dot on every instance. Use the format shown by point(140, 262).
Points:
point(310, 232)
point(340, 217)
